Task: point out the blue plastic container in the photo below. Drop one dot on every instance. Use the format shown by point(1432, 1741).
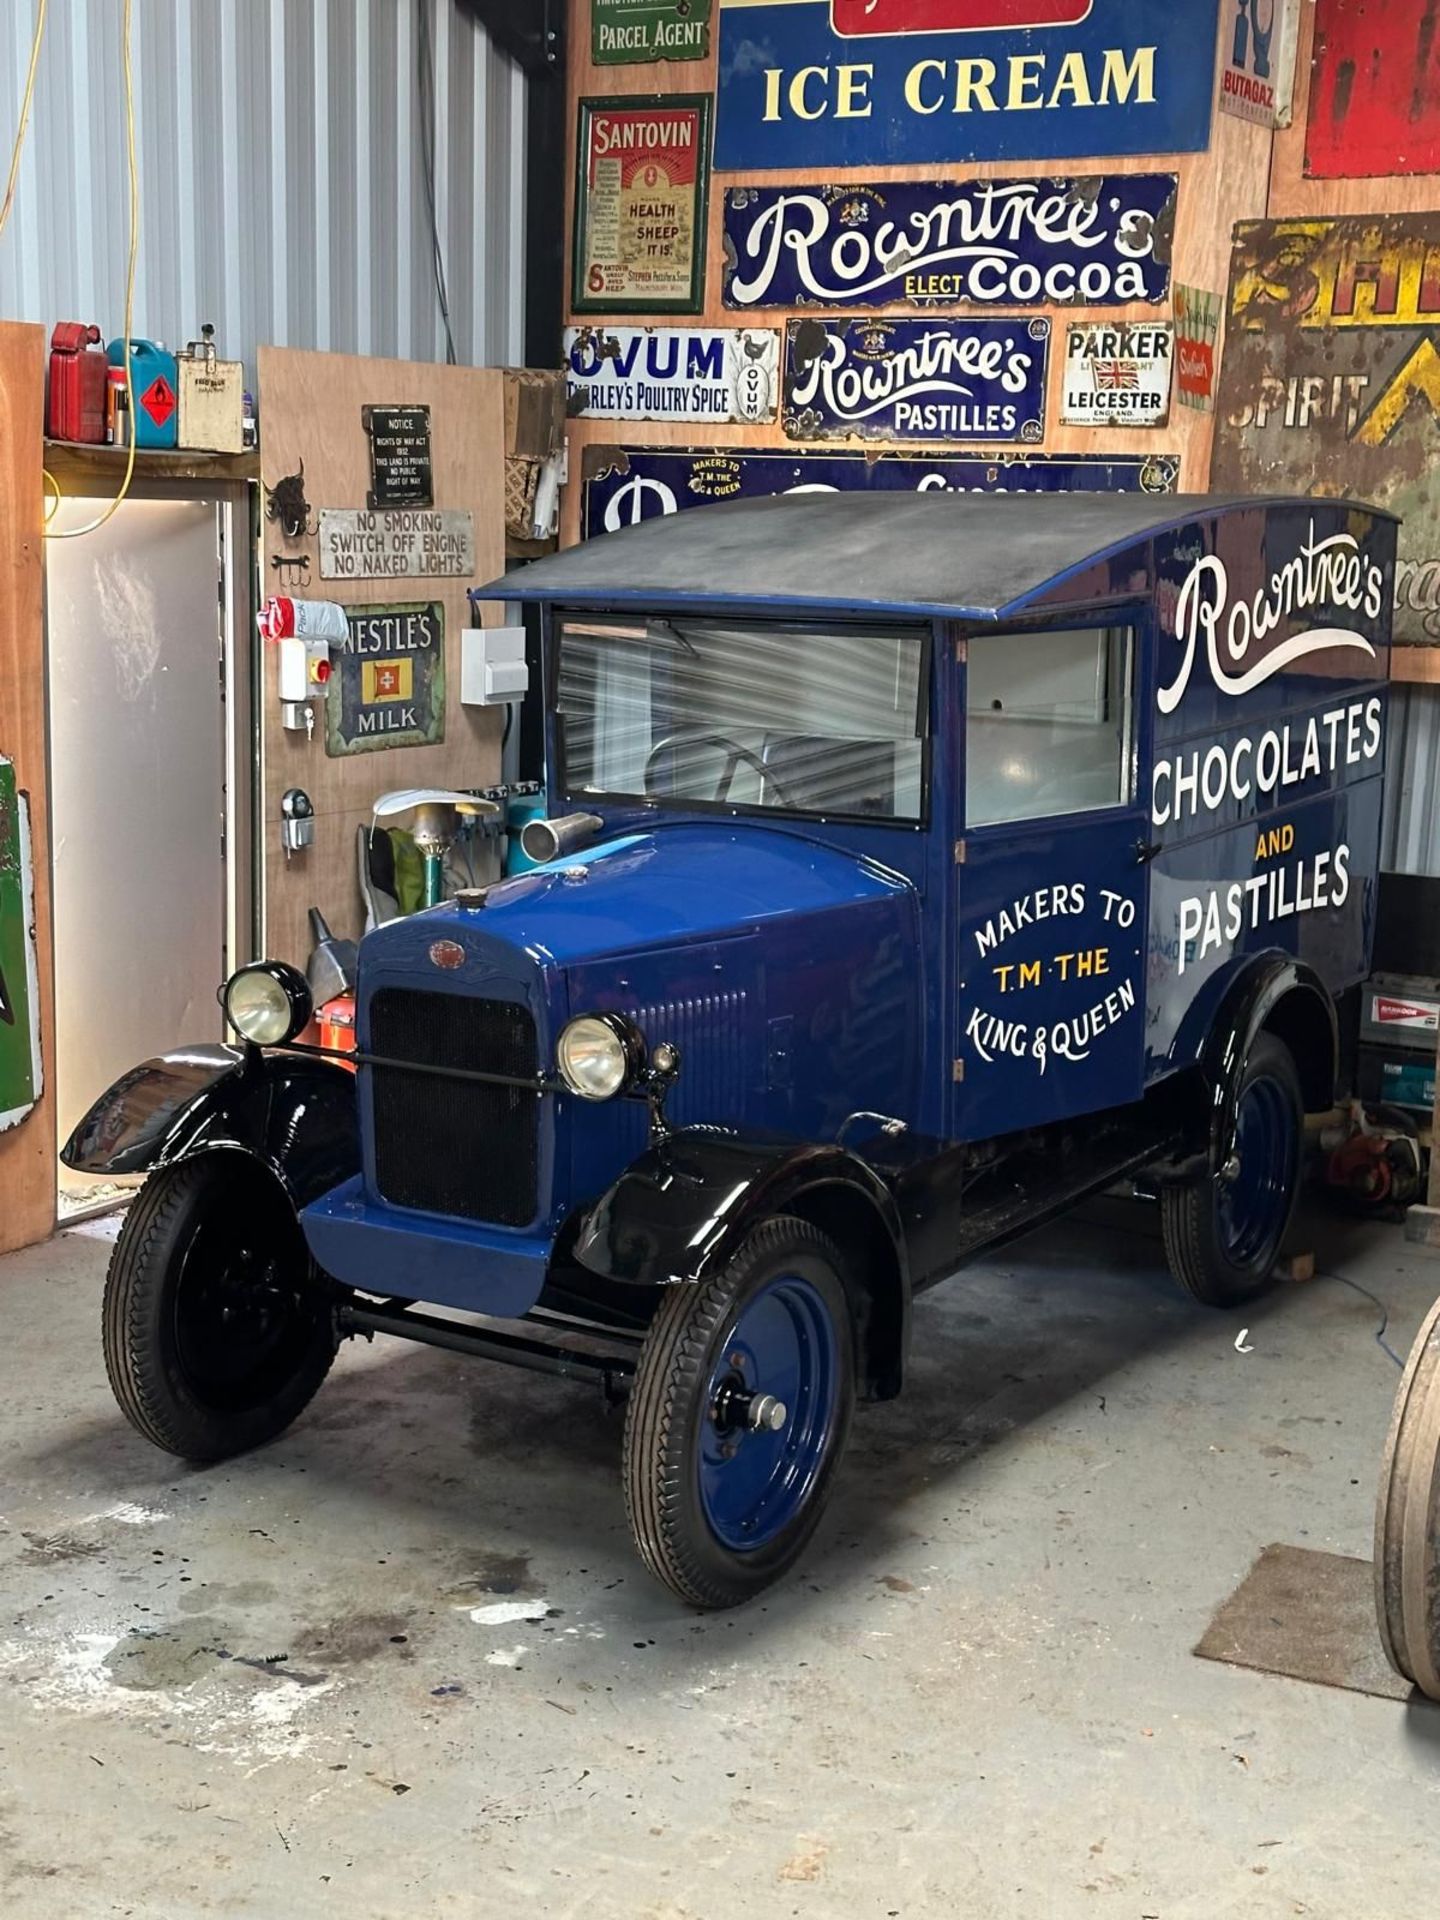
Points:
point(153, 374)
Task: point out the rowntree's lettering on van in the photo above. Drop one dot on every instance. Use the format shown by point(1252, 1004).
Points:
point(1205, 780)
point(1328, 572)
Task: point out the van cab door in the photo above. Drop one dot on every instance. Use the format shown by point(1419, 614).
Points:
point(1051, 873)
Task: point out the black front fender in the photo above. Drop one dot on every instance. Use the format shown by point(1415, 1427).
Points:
point(683, 1207)
point(294, 1113)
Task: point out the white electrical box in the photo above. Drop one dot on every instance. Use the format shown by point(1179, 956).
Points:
point(492, 666)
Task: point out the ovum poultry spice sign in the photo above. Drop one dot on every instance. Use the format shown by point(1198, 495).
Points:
point(853, 82)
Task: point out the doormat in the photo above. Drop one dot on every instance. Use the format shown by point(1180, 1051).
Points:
point(1310, 1616)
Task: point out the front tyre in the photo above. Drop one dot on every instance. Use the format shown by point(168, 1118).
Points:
point(1223, 1232)
point(739, 1415)
point(218, 1330)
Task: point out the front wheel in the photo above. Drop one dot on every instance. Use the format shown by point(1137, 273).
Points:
point(218, 1329)
point(1223, 1232)
point(739, 1416)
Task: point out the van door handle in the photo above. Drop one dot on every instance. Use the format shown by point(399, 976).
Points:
point(1146, 850)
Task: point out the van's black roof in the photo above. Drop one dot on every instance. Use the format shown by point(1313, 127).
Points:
point(976, 555)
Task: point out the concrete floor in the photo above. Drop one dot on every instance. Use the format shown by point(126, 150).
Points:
point(976, 1698)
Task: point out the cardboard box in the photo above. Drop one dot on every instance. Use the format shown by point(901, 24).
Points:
point(534, 433)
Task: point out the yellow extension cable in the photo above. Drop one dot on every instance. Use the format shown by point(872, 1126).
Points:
point(26, 105)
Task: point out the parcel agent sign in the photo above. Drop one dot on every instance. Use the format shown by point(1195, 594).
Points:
point(388, 688)
point(854, 82)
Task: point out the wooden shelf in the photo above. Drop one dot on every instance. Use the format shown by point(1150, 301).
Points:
point(75, 464)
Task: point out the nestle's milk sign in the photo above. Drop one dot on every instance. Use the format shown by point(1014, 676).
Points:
point(859, 82)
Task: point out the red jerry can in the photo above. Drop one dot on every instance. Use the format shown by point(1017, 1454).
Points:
point(78, 377)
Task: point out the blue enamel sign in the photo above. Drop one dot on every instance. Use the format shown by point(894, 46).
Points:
point(916, 379)
point(853, 83)
point(1097, 241)
point(626, 484)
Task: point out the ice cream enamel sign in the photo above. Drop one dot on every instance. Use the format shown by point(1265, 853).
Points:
point(1095, 241)
point(858, 82)
point(916, 379)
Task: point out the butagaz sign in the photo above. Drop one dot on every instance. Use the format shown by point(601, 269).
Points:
point(1117, 375)
point(854, 82)
point(916, 379)
point(623, 485)
point(1098, 242)
point(718, 375)
point(388, 688)
point(1257, 42)
point(1331, 372)
point(398, 544)
point(627, 31)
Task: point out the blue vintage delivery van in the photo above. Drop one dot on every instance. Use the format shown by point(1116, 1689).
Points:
point(917, 865)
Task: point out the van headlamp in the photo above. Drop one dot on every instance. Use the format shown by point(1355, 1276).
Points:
point(599, 1055)
point(267, 1003)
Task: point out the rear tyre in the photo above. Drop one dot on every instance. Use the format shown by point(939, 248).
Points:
point(1223, 1232)
point(739, 1415)
point(218, 1327)
point(1407, 1519)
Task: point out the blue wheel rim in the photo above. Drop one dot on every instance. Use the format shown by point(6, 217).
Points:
point(755, 1481)
point(1252, 1206)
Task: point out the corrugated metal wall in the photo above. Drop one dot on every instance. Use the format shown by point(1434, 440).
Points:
point(1411, 838)
point(282, 192)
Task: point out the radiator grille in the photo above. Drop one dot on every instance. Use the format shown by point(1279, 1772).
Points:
point(455, 1146)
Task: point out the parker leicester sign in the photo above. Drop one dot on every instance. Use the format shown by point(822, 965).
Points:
point(626, 484)
point(850, 83)
point(916, 379)
point(1096, 241)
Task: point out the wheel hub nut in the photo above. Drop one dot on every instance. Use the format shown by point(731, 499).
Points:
point(766, 1413)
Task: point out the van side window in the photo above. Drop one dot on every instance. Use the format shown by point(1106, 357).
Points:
point(1048, 723)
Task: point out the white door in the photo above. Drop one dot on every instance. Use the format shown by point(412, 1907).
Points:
point(135, 618)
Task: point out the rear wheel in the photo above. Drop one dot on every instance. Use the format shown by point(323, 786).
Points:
point(1407, 1519)
point(739, 1416)
point(1223, 1232)
point(218, 1328)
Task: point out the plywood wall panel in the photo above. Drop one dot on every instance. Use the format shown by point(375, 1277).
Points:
point(1225, 184)
point(311, 411)
point(27, 1150)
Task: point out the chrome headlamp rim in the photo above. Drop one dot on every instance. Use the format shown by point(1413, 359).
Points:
point(629, 1054)
point(294, 991)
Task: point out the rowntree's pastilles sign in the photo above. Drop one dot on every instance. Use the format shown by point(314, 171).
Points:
point(852, 83)
point(1100, 241)
point(625, 484)
point(916, 379)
